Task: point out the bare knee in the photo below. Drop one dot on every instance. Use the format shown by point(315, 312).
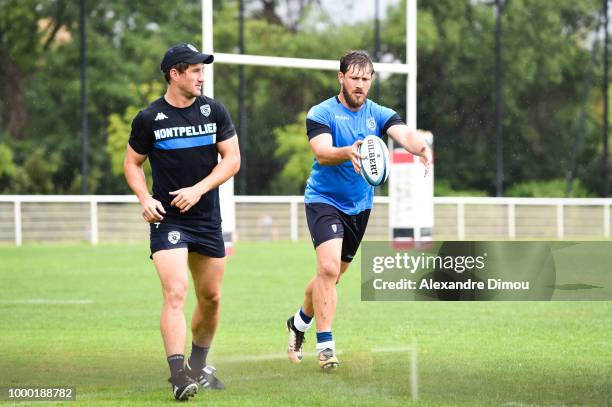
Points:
point(210, 299)
point(175, 295)
point(329, 269)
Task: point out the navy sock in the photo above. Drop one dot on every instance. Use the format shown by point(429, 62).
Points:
point(305, 317)
point(176, 363)
point(324, 336)
point(197, 359)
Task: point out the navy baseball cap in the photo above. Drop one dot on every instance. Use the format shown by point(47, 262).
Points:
point(184, 53)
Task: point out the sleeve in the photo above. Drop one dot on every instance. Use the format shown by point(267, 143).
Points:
point(141, 136)
point(386, 118)
point(393, 120)
point(225, 126)
point(317, 122)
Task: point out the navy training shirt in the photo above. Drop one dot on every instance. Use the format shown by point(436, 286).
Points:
point(181, 146)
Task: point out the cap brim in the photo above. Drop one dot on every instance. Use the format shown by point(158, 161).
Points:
point(201, 59)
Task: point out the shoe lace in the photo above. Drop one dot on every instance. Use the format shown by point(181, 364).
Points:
point(299, 339)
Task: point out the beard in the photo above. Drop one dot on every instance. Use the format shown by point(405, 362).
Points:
point(353, 101)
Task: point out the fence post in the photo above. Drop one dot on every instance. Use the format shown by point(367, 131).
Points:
point(17, 216)
point(511, 221)
point(93, 220)
point(294, 220)
point(606, 219)
point(560, 224)
point(461, 220)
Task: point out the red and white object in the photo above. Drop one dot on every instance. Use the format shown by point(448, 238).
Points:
point(411, 209)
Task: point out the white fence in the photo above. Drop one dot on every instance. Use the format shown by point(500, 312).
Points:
point(116, 218)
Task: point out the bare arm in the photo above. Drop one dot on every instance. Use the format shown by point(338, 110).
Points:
point(229, 165)
point(413, 142)
point(327, 154)
point(152, 209)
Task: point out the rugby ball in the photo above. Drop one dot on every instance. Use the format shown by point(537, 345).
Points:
point(375, 165)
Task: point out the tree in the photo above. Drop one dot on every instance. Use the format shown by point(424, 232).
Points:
point(7, 166)
point(545, 55)
point(126, 41)
point(546, 49)
point(119, 128)
point(294, 151)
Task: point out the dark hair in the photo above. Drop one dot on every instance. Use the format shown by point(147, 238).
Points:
point(180, 67)
point(360, 59)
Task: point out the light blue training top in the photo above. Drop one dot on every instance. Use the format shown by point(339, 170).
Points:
point(339, 185)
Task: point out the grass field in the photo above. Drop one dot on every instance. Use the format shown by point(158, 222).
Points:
point(109, 346)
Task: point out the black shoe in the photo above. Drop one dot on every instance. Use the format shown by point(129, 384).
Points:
point(295, 353)
point(206, 377)
point(183, 386)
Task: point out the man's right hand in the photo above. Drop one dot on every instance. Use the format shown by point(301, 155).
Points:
point(353, 155)
point(152, 210)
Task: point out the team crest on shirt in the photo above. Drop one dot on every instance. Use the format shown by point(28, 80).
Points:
point(174, 237)
point(205, 109)
point(371, 123)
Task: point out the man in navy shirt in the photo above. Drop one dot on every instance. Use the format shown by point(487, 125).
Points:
point(338, 200)
point(182, 133)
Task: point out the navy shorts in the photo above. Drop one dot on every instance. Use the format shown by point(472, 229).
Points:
point(165, 236)
point(327, 222)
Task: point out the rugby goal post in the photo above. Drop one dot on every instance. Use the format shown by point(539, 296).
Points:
point(411, 196)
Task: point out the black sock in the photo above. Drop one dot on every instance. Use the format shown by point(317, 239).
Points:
point(176, 363)
point(197, 359)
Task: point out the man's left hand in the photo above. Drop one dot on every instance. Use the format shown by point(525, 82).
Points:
point(185, 198)
point(426, 158)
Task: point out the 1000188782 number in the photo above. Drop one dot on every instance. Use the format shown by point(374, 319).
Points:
point(40, 393)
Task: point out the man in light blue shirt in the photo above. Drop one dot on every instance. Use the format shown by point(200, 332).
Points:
point(338, 200)
point(339, 185)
